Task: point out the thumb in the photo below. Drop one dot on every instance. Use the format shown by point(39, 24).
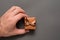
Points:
point(19, 31)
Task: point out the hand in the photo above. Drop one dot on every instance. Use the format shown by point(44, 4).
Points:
point(8, 22)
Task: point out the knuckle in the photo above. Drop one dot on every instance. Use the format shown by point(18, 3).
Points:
point(15, 7)
point(19, 8)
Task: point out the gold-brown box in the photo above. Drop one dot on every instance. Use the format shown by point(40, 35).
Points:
point(30, 23)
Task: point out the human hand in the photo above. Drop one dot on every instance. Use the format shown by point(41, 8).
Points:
point(8, 22)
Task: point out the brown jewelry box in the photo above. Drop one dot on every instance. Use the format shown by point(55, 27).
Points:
point(30, 23)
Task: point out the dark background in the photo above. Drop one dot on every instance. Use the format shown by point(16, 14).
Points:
point(47, 13)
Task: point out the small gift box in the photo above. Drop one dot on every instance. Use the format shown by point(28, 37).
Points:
point(30, 23)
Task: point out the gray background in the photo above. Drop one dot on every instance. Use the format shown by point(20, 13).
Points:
point(47, 13)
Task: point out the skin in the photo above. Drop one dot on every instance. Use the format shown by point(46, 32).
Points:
point(8, 22)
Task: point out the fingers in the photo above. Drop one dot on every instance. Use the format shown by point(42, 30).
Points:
point(15, 10)
point(12, 8)
point(19, 16)
point(19, 9)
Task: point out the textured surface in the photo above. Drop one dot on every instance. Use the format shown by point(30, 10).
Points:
point(47, 13)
